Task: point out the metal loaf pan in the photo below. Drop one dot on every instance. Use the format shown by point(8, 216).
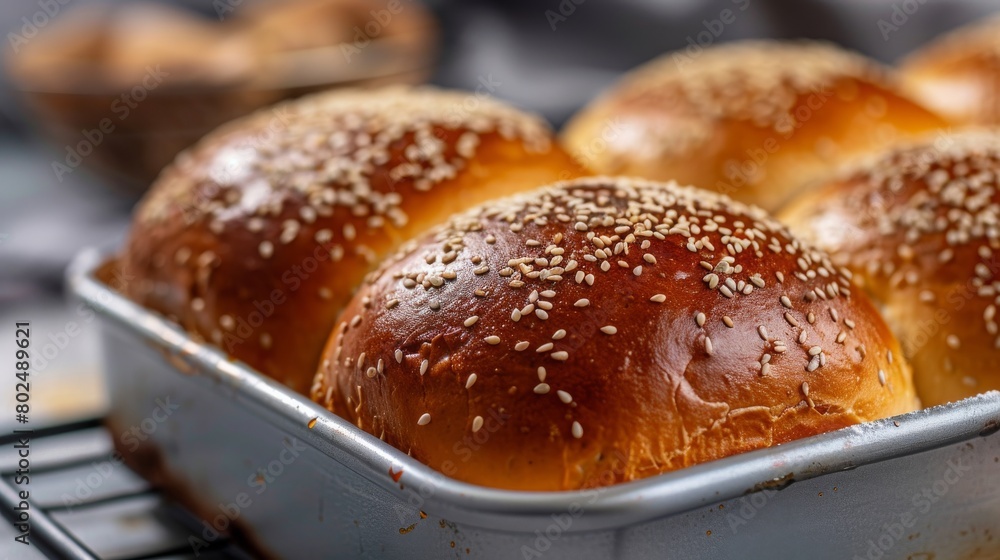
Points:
point(295, 481)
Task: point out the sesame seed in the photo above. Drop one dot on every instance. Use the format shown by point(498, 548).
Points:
point(841, 337)
point(590, 279)
point(471, 320)
point(724, 290)
point(727, 321)
point(637, 270)
point(399, 356)
point(577, 430)
point(371, 372)
point(953, 342)
point(561, 355)
point(762, 331)
point(708, 346)
point(515, 315)
point(425, 419)
point(815, 350)
point(582, 302)
point(477, 423)
point(266, 249)
point(565, 397)
point(471, 380)
point(559, 334)
point(699, 318)
point(765, 368)
point(791, 320)
point(423, 366)
point(541, 314)
point(541, 388)
point(609, 329)
point(813, 364)
point(492, 339)
point(522, 346)
point(888, 356)
point(805, 388)
point(649, 258)
point(780, 276)
point(786, 302)
point(545, 347)
point(541, 373)
point(658, 298)
point(881, 377)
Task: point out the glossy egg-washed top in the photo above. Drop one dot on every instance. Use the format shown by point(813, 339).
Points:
point(256, 237)
point(605, 330)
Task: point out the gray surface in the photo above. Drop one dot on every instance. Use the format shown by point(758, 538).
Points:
point(56, 450)
point(850, 488)
point(137, 527)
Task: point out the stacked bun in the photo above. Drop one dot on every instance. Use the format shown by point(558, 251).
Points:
point(255, 238)
point(605, 330)
point(920, 228)
point(754, 120)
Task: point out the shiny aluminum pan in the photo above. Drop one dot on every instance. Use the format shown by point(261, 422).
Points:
point(298, 482)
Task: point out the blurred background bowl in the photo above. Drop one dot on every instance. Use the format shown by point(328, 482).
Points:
point(123, 88)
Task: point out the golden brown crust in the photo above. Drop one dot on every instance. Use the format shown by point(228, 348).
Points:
point(920, 229)
point(958, 75)
point(604, 330)
point(256, 238)
point(756, 120)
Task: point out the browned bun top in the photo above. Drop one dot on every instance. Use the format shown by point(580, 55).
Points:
point(604, 330)
point(958, 74)
point(921, 229)
point(753, 119)
point(256, 237)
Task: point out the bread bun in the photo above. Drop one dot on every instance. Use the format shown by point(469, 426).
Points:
point(256, 237)
point(605, 330)
point(754, 120)
point(958, 75)
point(920, 228)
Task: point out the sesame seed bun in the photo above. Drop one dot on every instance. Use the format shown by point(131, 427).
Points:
point(958, 75)
point(604, 330)
point(920, 228)
point(756, 120)
point(255, 238)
